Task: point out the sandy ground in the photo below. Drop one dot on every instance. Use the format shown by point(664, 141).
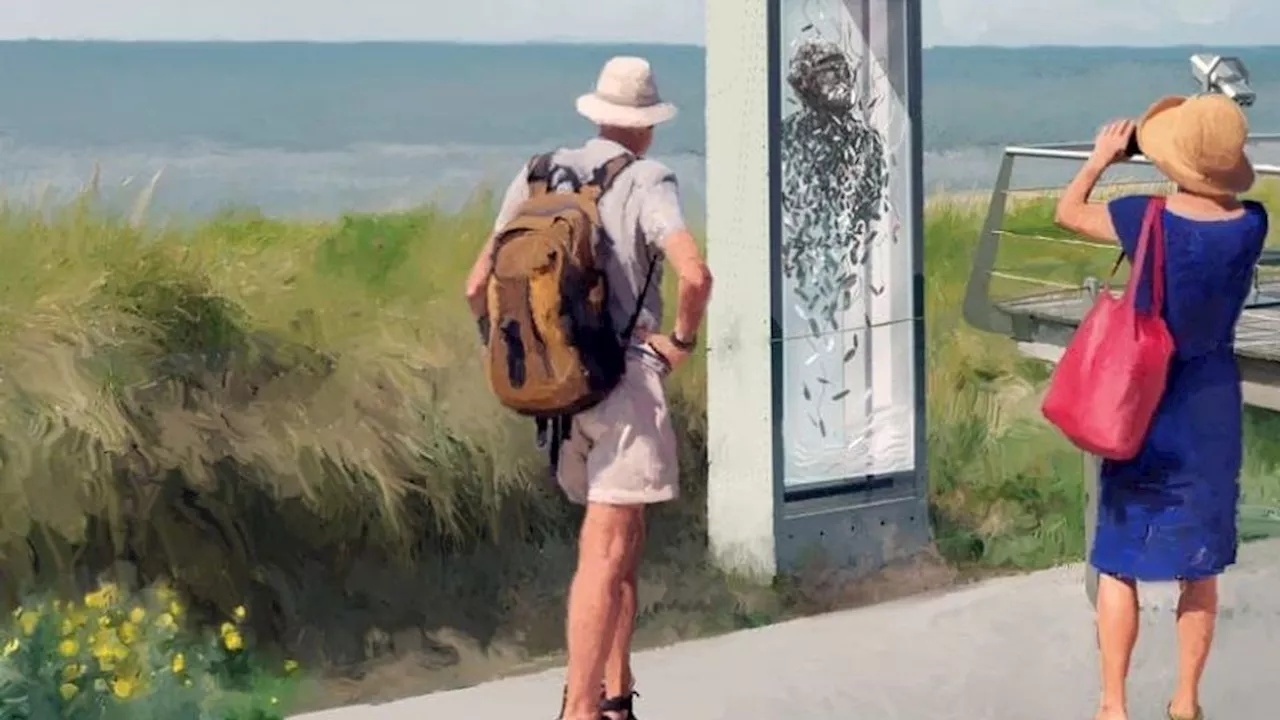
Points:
point(1018, 648)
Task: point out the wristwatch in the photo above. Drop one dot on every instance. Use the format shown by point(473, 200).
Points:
point(682, 344)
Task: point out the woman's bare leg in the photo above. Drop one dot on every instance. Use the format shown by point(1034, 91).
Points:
point(1197, 615)
point(1117, 633)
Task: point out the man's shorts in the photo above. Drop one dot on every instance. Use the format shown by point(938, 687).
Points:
point(623, 451)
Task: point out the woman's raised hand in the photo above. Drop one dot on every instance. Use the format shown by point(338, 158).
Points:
point(1112, 140)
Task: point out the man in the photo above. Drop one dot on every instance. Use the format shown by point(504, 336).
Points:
point(620, 455)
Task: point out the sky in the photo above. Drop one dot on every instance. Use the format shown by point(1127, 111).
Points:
point(947, 22)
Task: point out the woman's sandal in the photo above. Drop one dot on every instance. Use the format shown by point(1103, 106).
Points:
point(622, 703)
point(1198, 716)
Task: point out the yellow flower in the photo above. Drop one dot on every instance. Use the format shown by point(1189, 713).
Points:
point(107, 650)
point(28, 621)
point(105, 595)
point(231, 639)
point(123, 687)
point(175, 609)
point(73, 619)
point(128, 632)
point(290, 665)
point(68, 648)
point(68, 690)
point(11, 647)
point(165, 622)
point(179, 663)
point(101, 642)
point(104, 621)
point(137, 615)
point(71, 672)
point(240, 613)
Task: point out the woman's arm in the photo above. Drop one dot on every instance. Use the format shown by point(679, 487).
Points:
point(1074, 211)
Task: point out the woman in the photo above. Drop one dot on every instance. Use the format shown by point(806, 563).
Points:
point(1170, 513)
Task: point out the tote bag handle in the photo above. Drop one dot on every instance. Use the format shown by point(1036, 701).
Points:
point(1152, 235)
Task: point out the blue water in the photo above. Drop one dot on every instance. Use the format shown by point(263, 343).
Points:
point(313, 129)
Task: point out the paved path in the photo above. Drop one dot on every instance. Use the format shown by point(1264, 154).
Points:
point(1017, 648)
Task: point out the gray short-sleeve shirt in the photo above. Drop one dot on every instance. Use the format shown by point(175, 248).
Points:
point(638, 214)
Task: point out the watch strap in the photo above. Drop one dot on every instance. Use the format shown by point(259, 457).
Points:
point(682, 344)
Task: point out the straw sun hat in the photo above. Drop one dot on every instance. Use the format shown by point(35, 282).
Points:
point(626, 96)
point(1198, 143)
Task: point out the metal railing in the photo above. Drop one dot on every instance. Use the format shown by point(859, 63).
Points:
point(980, 310)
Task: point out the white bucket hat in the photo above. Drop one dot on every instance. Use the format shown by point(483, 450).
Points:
point(626, 96)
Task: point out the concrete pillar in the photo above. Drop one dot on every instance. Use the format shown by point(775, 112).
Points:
point(742, 497)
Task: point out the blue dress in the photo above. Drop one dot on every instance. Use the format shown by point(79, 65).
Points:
point(1170, 513)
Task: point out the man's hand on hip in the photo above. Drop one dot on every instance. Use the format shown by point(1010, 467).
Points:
point(668, 350)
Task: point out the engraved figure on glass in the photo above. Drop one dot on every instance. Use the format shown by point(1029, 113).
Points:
point(836, 189)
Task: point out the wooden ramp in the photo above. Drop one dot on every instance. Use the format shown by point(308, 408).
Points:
point(1257, 334)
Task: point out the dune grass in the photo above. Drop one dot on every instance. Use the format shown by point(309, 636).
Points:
point(290, 415)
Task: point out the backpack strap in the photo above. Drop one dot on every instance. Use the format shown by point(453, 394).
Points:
point(540, 169)
point(644, 292)
point(603, 179)
point(604, 175)
point(550, 435)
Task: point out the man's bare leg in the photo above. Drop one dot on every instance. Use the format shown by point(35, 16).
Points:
point(618, 680)
point(1197, 615)
point(605, 545)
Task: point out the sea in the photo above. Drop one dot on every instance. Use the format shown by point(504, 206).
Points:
point(315, 130)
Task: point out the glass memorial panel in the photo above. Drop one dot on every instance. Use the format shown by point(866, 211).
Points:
point(846, 311)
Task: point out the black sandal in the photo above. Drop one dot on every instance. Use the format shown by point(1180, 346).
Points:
point(622, 703)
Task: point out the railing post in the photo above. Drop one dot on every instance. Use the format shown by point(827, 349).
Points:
point(977, 308)
point(1090, 475)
